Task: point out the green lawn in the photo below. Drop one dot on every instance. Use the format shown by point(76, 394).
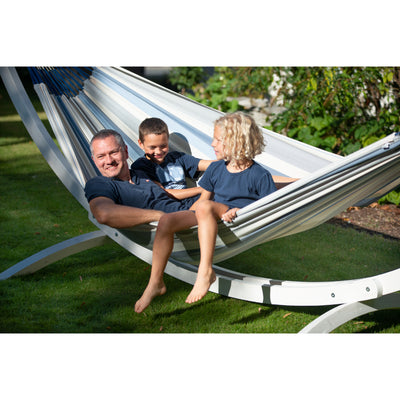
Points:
point(95, 291)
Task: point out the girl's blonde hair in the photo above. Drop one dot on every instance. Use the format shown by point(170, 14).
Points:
point(241, 136)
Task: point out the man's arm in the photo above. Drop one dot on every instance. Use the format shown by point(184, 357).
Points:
point(118, 216)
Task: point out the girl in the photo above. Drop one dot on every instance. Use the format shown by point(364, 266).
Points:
point(229, 184)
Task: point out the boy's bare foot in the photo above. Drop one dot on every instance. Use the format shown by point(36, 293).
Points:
point(201, 287)
point(148, 295)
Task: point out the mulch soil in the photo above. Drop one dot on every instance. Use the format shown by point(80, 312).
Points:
point(376, 219)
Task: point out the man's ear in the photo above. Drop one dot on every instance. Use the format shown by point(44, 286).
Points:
point(141, 145)
point(126, 152)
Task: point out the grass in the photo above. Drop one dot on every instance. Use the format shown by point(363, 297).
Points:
point(94, 291)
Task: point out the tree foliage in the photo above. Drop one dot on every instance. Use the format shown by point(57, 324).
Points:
point(338, 109)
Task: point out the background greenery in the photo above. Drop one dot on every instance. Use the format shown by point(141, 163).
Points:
point(95, 291)
point(338, 109)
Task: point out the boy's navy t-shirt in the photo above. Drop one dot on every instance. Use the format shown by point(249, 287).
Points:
point(142, 193)
point(237, 189)
point(171, 173)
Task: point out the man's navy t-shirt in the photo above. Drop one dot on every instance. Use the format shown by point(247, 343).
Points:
point(142, 193)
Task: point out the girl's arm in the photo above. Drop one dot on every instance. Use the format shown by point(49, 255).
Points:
point(230, 215)
point(282, 181)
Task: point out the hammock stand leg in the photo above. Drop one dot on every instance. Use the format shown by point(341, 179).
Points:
point(56, 253)
point(346, 312)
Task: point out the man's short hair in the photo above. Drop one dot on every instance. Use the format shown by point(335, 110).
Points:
point(105, 133)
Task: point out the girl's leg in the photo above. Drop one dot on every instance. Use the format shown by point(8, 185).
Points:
point(208, 213)
point(162, 248)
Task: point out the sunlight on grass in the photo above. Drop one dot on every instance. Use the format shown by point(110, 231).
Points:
point(17, 118)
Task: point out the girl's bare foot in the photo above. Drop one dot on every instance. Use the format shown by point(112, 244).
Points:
point(148, 295)
point(201, 287)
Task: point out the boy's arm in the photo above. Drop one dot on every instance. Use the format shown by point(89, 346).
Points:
point(119, 216)
point(181, 194)
point(203, 164)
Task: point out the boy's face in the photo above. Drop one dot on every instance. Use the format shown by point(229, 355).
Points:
point(155, 147)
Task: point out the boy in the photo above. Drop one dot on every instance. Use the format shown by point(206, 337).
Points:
point(169, 169)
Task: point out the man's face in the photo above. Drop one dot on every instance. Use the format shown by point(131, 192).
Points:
point(110, 158)
point(155, 147)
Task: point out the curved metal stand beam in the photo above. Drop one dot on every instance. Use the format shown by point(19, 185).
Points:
point(346, 312)
point(55, 253)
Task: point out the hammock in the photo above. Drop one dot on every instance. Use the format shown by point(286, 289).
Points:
point(81, 101)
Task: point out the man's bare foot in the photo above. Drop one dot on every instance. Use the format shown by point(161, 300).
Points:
point(148, 295)
point(201, 287)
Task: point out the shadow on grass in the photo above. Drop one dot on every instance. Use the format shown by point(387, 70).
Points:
point(255, 316)
point(265, 313)
point(188, 307)
point(383, 321)
point(13, 141)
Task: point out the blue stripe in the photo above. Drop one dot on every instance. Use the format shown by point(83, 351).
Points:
point(61, 80)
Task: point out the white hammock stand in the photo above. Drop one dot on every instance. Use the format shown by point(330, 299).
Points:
point(115, 98)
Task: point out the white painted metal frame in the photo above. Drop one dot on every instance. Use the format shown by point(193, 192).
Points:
point(55, 253)
point(354, 297)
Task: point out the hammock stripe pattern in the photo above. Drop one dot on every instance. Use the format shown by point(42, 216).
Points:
point(81, 101)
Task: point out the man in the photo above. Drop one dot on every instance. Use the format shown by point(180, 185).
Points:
point(121, 198)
